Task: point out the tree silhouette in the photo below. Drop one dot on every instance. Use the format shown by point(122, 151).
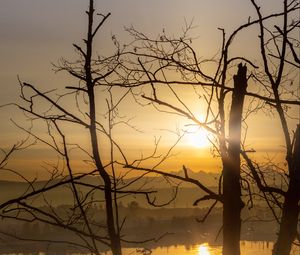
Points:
point(171, 62)
point(232, 203)
point(276, 46)
point(159, 64)
point(60, 116)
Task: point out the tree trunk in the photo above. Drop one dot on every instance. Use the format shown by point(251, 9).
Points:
point(290, 211)
point(232, 203)
point(113, 234)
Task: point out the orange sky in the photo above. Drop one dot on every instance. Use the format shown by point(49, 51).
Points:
point(36, 33)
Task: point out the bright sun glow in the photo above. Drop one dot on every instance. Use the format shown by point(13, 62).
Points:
point(203, 249)
point(197, 137)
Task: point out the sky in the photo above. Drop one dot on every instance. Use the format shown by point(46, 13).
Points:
point(36, 33)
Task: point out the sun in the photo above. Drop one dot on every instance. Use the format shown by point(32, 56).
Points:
point(197, 137)
point(203, 249)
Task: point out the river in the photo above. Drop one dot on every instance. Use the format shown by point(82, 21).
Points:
point(247, 248)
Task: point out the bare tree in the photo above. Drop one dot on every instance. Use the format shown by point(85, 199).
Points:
point(160, 63)
point(275, 45)
point(84, 72)
point(172, 62)
point(60, 116)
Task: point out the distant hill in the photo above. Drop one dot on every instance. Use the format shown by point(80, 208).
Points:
point(187, 193)
point(164, 187)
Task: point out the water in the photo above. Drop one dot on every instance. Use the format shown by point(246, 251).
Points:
point(247, 248)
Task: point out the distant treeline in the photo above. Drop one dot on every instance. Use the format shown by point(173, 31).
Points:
point(177, 226)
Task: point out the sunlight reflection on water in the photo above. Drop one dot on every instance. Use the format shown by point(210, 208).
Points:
point(247, 248)
point(203, 249)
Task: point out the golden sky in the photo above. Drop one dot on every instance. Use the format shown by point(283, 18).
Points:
point(36, 33)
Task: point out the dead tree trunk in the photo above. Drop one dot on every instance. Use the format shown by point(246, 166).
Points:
point(290, 211)
point(232, 203)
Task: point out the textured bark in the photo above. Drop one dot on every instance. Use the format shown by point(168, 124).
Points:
point(232, 203)
point(290, 211)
